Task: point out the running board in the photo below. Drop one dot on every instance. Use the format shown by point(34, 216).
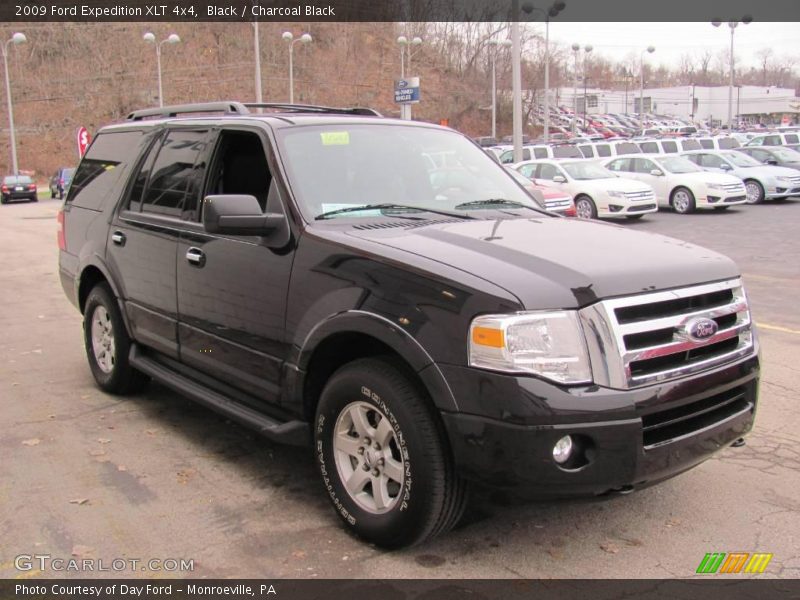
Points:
point(295, 433)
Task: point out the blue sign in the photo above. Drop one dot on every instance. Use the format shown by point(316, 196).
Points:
point(406, 91)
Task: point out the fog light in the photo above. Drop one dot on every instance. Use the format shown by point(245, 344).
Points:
point(562, 450)
point(713, 199)
point(614, 207)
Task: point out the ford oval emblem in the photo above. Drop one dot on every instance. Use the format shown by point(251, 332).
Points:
point(701, 329)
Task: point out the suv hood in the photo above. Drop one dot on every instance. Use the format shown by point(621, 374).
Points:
point(558, 263)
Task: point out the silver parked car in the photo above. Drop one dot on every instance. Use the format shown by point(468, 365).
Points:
point(762, 182)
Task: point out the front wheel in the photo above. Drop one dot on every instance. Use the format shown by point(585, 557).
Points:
point(383, 457)
point(755, 191)
point(585, 208)
point(682, 201)
point(107, 344)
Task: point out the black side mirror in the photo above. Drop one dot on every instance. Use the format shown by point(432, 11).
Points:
point(771, 161)
point(239, 215)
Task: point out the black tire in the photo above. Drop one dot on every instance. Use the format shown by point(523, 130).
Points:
point(35, 198)
point(755, 191)
point(633, 217)
point(585, 207)
point(416, 448)
point(682, 200)
point(122, 378)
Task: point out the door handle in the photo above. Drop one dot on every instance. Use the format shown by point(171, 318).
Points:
point(196, 257)
point(118, 238)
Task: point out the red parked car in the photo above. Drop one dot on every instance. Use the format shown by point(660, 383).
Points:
point(554, 200)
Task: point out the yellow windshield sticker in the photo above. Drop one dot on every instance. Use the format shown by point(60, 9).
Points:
point(335, 138)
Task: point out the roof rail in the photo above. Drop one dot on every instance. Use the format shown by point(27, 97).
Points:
point(181, 109)
point(306, 108)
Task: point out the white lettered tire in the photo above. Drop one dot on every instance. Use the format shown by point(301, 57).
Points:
point(383, 456)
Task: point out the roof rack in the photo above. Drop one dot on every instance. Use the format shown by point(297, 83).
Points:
point(236, 108)
point(311, 108)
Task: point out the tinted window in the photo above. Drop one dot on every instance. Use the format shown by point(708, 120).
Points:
point(507, 157)
point(669, 147)
point(586, 150)
point(539, 153)
point(621, 164)
point(174, 172)
point(104, 163)
point(649, 147)
point(706, 144)
point(690, 145)
point(643, 165)
point(567, 152)
point(772, 140)
point(603, 150)
point(547, 172)
point(728, 143)
point(710, 160)
point(627, 148)
point(791, 138)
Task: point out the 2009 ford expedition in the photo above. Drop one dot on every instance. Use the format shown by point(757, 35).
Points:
point(385, 292)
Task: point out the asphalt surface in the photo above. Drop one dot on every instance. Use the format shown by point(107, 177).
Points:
point(87, 475)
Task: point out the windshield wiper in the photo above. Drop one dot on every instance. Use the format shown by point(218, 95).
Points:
point(388, 205)
point(494, 202)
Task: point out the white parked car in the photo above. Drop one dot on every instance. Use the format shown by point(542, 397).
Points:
point(775, 139)
point(761, 181)
point(535, 151)
point(679, 183)
point(607, 149)
point(596, 191)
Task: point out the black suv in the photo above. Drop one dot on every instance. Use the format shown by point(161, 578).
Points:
point(300, 270)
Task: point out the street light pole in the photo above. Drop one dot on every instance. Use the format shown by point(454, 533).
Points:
point(17, 38)
point(494, 44)
point(405, 56)
point(257, 50)
point(732, 25)
point(575, 49)
point(587, 48)
point(649, 50)
point(305, 39)
point(150, 38)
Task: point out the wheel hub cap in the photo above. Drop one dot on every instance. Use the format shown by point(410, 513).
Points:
point(368, 457)
point(102, 332)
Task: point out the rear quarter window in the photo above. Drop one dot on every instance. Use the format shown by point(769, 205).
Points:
point(566, 152)
point(669, 147)
point(98, 177)
point(791, 138)
point(649, 147)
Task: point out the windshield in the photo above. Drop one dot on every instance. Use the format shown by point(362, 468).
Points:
point(678, 165)
point(587, 170)
point(740, 159)
point(786, 154)
point(341, 166)
point(17, 180)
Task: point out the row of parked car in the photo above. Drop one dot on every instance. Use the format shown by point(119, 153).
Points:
point(634, 179)
point(22, 188)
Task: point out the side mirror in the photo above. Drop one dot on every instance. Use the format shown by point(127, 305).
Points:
point(238, 215)
point(559, 179)
point(771, 161)
point(657, 173)
point(726, 167)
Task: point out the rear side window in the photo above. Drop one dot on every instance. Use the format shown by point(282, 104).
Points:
point(586, 150)
point(566, 152)
point(791, 138)
point(649, 147)
point(690, 145)
point(772, 140)
point(175, 174)
point(728, 143)
point(627, 148)
point(603, 150)
point(669, 147)
point(539, 153)
point(707, 144)
point(98, 173)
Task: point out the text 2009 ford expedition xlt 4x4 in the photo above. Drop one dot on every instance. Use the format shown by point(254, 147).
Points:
point(385, 292)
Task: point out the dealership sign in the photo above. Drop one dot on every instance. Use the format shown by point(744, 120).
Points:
point(83, 141)
point(406, 91)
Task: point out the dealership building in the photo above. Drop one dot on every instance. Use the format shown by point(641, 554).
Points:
point(706, 104)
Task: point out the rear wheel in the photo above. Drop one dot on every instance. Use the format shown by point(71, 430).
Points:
point(376, 433)
point(755, 191)
point(585, 207)
point(107, 344)
point(682, 200)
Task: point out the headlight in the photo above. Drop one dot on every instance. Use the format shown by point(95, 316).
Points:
point(549, 344)
point(783, 179)
point(615, 194)
point(714, 186)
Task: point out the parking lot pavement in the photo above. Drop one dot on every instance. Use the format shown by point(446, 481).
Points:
point(153, 476)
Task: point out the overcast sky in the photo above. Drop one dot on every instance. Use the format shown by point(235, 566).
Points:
point(616, 40)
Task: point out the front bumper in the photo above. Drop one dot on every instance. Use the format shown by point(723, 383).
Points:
point(627, 439)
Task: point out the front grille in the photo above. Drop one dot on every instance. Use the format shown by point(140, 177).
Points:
point(733, 188)
point(734, 199)
point(665, 426)
point(641, 207)
point(639, 196)
point(556, 205)
point(645, 339)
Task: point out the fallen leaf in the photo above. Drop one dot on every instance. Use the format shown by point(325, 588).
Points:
point(555, 553)
point(634, 542)
point(122, 468)
point(51, 416)
point(185, 475)
point(103, 440)
point(31, 442)
point(79, 501)
point(151, 431)
point(96, 452)
point(80, 550)
point(299, 554)
point(609, 547)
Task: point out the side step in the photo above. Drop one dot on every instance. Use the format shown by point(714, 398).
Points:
point(295, 433)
